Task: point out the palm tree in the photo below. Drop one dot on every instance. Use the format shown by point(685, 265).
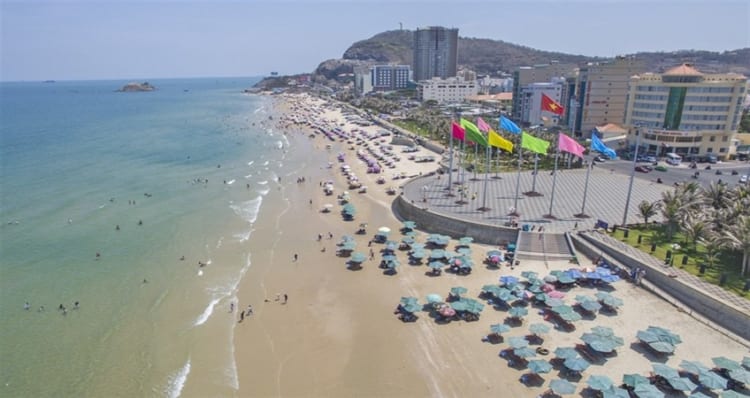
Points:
point(648, 209)
point(695, 228)
point(738, 237)
point(713, 243)
point(716, 196)
point(671, 211)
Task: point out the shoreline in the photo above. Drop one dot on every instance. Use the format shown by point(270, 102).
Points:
point(337, 336)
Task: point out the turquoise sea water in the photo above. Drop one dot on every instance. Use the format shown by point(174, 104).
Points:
point(79, 159)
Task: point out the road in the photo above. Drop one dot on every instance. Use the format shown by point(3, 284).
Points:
point(683, 173)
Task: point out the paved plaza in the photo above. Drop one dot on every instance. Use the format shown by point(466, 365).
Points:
point(607, 192)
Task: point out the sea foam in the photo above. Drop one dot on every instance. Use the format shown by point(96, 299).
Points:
point(248, 210)
point(176, 382)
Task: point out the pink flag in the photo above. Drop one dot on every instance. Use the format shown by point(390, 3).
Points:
point(457, 131)
point(570, 145)
point(482, 125)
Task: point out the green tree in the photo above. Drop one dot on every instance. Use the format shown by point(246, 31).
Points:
point(648, 209)
point(738, 237)
point(695, 228)
point(745, 122)
point(671, 211)
point(713, 243)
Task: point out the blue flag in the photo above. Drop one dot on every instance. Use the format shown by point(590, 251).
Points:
point(598, 145)
point(507, 125)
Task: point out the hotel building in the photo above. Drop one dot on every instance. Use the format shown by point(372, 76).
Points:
point(543, 73)
point(381, 78)
point(435, 53)
point(685, 111)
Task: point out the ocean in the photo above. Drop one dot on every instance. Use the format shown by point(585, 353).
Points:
point(112, 200)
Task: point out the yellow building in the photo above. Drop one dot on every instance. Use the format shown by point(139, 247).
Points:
point(685, 111)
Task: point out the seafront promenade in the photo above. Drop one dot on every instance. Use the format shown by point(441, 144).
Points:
point(607, 192)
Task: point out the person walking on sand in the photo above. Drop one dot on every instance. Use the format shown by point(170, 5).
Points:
point(295, 256)
point(242, 316)
point(231, 307)
point(286, 298)
point(249, 310)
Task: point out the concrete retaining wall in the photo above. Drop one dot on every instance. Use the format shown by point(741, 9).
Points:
point(723, 314)
point(456, 228)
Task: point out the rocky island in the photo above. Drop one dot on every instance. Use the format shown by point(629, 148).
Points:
point(136, 87)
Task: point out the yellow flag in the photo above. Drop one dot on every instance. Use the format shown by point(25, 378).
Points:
point(499, 142)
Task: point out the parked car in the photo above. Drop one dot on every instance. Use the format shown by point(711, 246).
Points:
point(651, 159)
point(643, 169)
point(660, 168)
point(600, 158)
point(743, 179)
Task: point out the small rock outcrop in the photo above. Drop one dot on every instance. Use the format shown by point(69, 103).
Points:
point(137, 87)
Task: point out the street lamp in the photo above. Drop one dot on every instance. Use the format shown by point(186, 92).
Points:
point(632, 174)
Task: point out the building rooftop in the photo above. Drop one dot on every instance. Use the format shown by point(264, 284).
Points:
point(683, 70)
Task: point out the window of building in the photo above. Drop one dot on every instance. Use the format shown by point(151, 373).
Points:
point(722, 150)
point(709, 150)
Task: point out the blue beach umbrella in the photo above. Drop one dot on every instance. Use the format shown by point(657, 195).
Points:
point(518, 312)
point(436, 265)
point(634, 379)
point(577, 364)
point(499, 328)
point(562, 387)
point(740, 375)
point(615, 392)
point(726, 363)
point(566, 352)
point(539, 366)
point(458, 290)
point(434, 298)
point(647, 391)
point(524, 352)
point(712, 380)
point(508, 280)
point(530, 275)
point(538, 328)
point(599, 382)
point(517, 342)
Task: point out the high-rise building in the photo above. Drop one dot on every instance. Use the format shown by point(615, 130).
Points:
point(536, 74)
point(685, 111)
point(381, 78)
point(530, 105)
point(601, 91)
point(446, 91)
point(435, 52)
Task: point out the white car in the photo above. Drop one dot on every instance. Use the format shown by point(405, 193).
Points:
point(743, 179)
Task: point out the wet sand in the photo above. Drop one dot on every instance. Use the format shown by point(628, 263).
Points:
point(338, 336)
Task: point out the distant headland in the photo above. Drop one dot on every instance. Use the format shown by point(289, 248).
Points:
point(135, 87)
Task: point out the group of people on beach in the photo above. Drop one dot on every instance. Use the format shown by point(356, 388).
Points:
point(249, 311)
point(61, 307)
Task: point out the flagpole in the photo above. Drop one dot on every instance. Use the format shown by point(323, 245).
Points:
point(518, 177)
point(476, 156)
point(486, 178)
point(533, 191)
point(583, 214)
point(632, 175)
point(450, 165)
point(554, 182)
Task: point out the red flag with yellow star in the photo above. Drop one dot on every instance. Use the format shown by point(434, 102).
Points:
point(548, 104)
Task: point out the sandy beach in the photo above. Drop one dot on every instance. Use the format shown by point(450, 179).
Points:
point(337, 334)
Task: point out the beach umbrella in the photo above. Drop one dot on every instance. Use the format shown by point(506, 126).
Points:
point(392, 264)
point(731, 394)
point(712, 380)
point(610, 278)
point(538, 328)
point(590, 306)
point(349, 246)
point(562, 387)
point(530, 275)
point(508, 280)
point(492, 253)
point(418, 254)
point(698, 394)
point(459, 305)
point(389, 257)
point(569, 316)
point(574, 273)
point(474, 307)
point(673, 377)
point(524, 352)
point(646, 336)
point(466, 240)
point(384, 230)
point(518, 312)
point(647, 391)
point(604, 331)
point(391, 245)
point(550, 279)
point(608, 299)
point(599, 382)
point(458, 290)
point(408, 240)
point(409, 225)
point(565, 279)
point(693, 367)
point(358, 257)
point(539, 366)
point(417, 246)
point(517, 342)
point(535, 288)
point(746, 362)
point(553, 302)
point(725, 363)
point(576, 364)
point(664, 371)
point(661, 347)
point(434, 298)
point(665, 334)
point(634, 379)
point(600, 344)
point(741, 375)
point(464, 251)
point(615, 392)
point(499, 328)
point(437, 254)
point(411, 307)
point(436, 265)
point(566, 352)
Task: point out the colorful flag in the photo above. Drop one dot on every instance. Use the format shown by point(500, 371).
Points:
point(508, 125)
point(536, 145)
point(472, 132)
point(483, 126)
point(548, 104)
point(567, 144)
point(457, 132)
point(499, 142)
point(598, 145)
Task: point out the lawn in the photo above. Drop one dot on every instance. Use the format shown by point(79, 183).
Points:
point(728, 262)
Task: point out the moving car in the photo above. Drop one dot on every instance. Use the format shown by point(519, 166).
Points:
point(600, 158)
point(743, 179)
point(643, 169)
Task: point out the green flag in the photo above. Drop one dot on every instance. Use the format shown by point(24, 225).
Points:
point(472, 132)
point(536, 145)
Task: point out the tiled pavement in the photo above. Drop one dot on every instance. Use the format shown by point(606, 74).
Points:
point(606, 197)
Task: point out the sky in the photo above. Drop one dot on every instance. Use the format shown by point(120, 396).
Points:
point(143, 39)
